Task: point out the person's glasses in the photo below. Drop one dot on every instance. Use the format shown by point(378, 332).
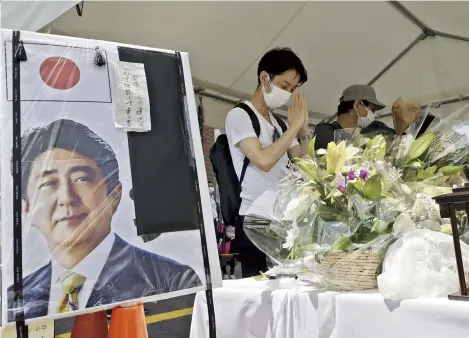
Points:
point(276, 135)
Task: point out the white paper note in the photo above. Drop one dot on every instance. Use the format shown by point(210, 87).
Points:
point(42, 329)
point(132, 103)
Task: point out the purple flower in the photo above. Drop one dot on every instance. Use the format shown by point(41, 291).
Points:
point(340, 185)
point(351, 176)
point(363, 174)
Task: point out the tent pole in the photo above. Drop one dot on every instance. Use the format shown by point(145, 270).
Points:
point(397, 58)
point(203, 92)
point(452, 36)
point(408, 14)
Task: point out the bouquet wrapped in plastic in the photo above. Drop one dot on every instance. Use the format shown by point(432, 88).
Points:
point(335, 215)
point(337, 212)
point(433, 163)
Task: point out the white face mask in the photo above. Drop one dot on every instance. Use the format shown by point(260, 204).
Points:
point(277, 96)
point(211, 190)
point(365, 121)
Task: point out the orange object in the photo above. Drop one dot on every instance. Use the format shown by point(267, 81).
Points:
point(91, 325)
point(128, 322)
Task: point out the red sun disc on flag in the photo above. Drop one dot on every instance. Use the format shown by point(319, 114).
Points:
point(59, 73)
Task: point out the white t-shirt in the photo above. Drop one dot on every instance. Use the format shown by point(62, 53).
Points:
point(238, 126)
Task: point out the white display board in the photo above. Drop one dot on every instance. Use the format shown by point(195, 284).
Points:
point(81, 251)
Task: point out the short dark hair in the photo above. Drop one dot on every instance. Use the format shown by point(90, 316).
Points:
point(68, 135)
point(279, 60)
point(346, 106)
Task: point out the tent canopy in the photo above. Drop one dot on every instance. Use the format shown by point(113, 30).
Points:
point(340, 43)
point(31, 15)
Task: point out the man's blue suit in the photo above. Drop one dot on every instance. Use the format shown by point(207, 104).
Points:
point(128, 273)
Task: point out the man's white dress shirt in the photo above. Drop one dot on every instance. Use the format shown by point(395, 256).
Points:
point(90, 267)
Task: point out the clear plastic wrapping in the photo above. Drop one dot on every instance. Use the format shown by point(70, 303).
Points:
point(337, 212)
point(81, 249)
point(434, 162)
point(421, 263)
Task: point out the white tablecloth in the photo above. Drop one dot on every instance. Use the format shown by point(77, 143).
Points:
point(371, 316)
point(270, 309)
point(290, 309)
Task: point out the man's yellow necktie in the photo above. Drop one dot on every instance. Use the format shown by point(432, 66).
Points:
point(71, 284)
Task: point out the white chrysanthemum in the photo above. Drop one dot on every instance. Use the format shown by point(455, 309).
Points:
point(292, 235)
point(424, 208)
point(296, 207)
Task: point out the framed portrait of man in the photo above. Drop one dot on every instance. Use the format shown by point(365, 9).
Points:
point(107, 216)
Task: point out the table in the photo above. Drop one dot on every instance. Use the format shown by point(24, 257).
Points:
point(283, 308)
point(368, 315)
point(292, 309)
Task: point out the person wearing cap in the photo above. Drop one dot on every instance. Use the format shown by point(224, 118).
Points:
point(70, 193)
point(357, 108)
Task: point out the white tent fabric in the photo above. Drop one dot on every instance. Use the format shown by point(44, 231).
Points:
point(341, 43)
point(31, 15)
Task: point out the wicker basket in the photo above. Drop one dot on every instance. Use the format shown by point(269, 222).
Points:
point(352, 271)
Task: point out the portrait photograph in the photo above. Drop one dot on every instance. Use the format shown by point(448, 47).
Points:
point(86, 246)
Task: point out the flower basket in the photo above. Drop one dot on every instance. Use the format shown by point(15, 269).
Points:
point(351, 271)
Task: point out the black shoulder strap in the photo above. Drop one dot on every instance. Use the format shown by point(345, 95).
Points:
point(281, 123)
point(254, 119)
point(257, 129)
point(335, 125)
point(243, 171)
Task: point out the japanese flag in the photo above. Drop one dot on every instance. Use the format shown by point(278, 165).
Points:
point(60, 73)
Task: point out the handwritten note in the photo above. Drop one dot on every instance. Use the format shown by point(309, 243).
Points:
point(42, 329)
point(132, 103)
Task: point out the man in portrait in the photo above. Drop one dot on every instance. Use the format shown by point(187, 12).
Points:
point(70, 193)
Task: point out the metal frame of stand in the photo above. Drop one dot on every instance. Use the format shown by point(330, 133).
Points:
point(449, 203)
